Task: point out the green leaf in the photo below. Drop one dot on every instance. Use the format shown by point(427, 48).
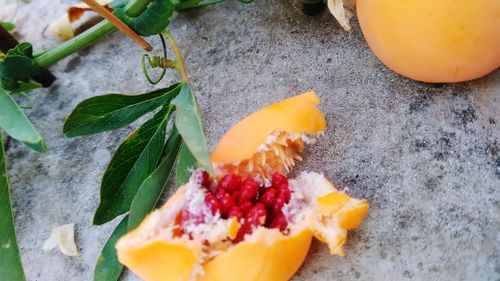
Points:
point(188, 122)
point(10, 265)
point(151, 189)
point(28, 86)
point(113, 111)
point(152, 21)
point(185, 166)
point(8, 25)
point(108, 268)
point(17, 125)
point(22, 49)
point(18, 66)
point(132, 163)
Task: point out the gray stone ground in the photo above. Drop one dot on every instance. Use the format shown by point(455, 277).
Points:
point(425, 156)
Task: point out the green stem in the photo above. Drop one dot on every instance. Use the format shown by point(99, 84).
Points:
point(102, 29)
point(75, 44)
point(194, 4)
point(178, 56)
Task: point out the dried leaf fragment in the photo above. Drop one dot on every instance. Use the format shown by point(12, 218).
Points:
point(342, 11)
point(63, 237)
point(63, 27)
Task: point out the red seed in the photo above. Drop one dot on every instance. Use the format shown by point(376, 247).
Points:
point(257, 215)
point(269, 197)
point(278, 204)
point(284, 191)
point(236, 196)
point(279, 221)
point(278, 179)
point(246, 207)
point(213, 203)
point(246, 228)
point(249, 190)
point(206, 181)
point(235, 212)
point(230, 182)
point(220, 194)
point(226, 203)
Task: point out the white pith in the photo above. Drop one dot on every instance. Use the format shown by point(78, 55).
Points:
point(302, 213)
point(278, 153)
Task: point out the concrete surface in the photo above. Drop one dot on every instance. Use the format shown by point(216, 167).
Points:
point(425, 156)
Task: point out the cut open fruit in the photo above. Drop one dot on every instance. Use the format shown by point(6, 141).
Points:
point(249, 223)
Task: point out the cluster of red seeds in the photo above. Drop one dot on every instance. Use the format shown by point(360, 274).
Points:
point(250, 203)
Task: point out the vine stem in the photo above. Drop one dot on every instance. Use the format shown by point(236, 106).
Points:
point(85, 39)
point(125, 29)
point(178, 56)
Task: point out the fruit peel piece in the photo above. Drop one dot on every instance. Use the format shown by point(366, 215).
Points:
point(332, 212)
point(353, 217)
point(267, 256)
point(147, 251)
point(340, 213)
point(298, 114)
point(332, 202)
point(159, 260)
point(348, 219)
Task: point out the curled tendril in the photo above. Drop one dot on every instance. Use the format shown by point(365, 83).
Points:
point(157, 62)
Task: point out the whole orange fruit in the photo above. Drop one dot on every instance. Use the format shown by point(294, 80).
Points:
point(433, 41)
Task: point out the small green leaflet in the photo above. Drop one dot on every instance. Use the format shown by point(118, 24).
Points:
point(188, 122)
point(152, 21)
point(10, 265)
point(132, 163)
point(185, 166)
point(8, 25)
point(108, 268)
point(18, 66)
point(151, 189)
point(27, 86)
point(113, 111)
point(17, 125)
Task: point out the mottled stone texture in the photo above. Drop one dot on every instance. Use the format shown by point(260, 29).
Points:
point(425, 156)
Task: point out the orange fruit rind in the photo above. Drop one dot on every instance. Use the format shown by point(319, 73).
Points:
point(271, 139)
point(444, 41)
point(166, 247)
